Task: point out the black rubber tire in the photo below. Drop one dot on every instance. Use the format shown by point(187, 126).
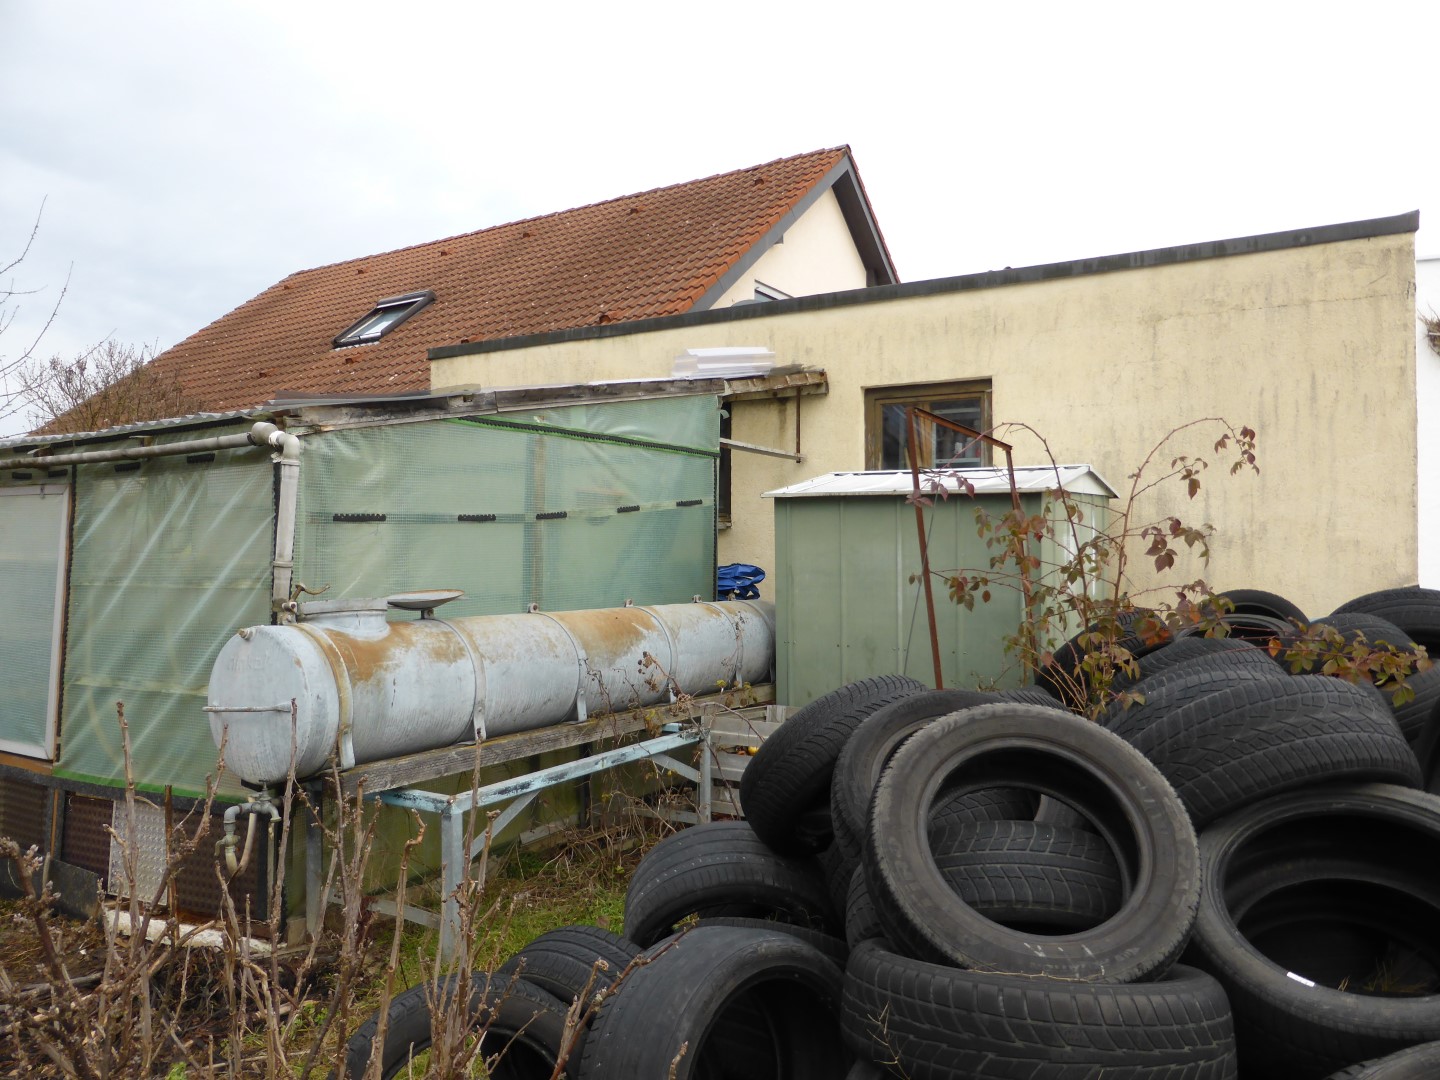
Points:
point(1064, 677)
point(571, 961)
point(1260, 602)
point(1185, 650)
point(1028, 875)
point(1414, 715)
point(1172, 690)
point(1051, 811)
point(836, 867)
point(1413, 609)
point(790, 774)
point(987, 804)
point(1349, 868)
point(711, 1001)
point(518, 1018)
point(834, 948)
point(1258, 630)
point(943, 1023)
point(1124, 796)
point(1236, 746)
point(871, 745)
point(1427, 752)
point(1354, 625)
point(722, 868)
point(1032, 695)
point(862, 921)
point(865, 1070)
point(1417, 1063)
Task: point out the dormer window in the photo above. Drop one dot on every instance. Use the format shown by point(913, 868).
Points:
point(384, 317)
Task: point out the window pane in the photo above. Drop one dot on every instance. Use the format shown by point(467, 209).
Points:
point(951, 448)
point(892, 437)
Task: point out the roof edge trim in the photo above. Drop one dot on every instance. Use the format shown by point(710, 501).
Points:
point(863, 232)
point(990, 279)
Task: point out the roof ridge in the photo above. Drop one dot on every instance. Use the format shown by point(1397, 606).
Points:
point(844, 148)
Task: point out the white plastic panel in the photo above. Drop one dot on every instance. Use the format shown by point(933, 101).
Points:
point(33, 525)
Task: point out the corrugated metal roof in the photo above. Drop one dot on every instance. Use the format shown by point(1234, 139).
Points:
point(1076, 479)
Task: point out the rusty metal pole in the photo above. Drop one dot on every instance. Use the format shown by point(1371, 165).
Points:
point(1026, 588)
point(1022, 555)
point(910, 445)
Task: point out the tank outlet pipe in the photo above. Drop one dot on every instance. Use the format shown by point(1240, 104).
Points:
point(257, 804)
point(367, 689)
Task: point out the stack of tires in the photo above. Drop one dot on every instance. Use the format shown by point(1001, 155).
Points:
point(1236, 873)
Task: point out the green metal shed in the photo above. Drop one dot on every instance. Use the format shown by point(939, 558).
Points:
point(849, 600)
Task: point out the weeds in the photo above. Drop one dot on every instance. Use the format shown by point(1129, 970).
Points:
point(156, 1004)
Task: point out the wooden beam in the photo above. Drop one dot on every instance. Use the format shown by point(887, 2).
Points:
point(378, 776)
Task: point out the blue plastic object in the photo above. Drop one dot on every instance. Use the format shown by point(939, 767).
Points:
point(737, 581)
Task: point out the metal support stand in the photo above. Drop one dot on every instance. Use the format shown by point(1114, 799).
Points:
point(519, 793)
point(314, 858)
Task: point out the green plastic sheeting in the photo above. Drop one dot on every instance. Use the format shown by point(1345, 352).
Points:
point(32, 549)
point(168, 560)
point(517, 509)
point(573, 507)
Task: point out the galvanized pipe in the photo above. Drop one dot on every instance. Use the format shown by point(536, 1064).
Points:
point(262, 433)
point(287, 456)
point(253, 437)
point(367, 689)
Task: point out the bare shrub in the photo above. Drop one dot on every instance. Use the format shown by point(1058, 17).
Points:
point(109, 384)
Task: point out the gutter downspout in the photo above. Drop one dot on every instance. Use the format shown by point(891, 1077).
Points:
point(287, 456)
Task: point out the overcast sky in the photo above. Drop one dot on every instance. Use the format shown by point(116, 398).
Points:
point(188, 155)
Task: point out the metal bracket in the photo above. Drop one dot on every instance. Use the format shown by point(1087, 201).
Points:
point(768, 451)
point(520, 792)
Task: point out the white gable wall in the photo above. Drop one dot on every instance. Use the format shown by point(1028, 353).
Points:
point(817, 255)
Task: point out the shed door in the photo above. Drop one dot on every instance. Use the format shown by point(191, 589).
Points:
point(33, 523)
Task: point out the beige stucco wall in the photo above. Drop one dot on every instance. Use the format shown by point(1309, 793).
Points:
point(817, 256)
point(1314, 347)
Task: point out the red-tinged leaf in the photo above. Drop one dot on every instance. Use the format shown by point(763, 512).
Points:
point(1193, 487)
point(985, 596)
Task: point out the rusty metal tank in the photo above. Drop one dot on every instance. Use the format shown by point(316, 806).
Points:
point(368, 688)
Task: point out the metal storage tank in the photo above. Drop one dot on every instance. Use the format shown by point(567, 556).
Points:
point(848, 598)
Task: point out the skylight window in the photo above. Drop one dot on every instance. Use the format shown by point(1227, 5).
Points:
point(384, 317)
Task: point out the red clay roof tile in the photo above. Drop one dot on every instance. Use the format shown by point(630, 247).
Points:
point(639, 256)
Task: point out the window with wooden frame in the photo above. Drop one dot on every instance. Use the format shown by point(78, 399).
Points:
point(965, 403)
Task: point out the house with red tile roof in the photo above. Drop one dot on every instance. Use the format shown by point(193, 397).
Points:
point(795, 226)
